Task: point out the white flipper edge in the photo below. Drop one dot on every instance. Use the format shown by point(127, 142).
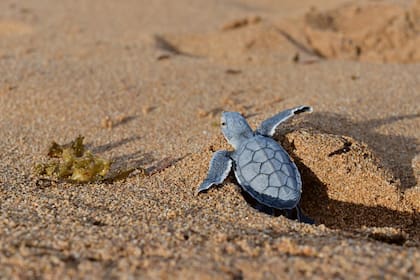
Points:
point(268, 127)
point(220, 166)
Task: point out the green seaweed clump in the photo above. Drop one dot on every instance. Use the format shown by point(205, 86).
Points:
point(73, 162)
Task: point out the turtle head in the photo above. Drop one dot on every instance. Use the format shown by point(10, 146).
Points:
point(235, 128)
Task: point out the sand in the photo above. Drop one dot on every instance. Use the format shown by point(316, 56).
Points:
point(144, 82)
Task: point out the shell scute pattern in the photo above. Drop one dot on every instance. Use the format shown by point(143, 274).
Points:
point(272, 191)
point(249, 172)
point(267, 168)
point(245, 158)
point(262, 167)
point(259, 156)
point(253, 146)
point(260, 182)
point(277, 179)
point(288, 170)
point(267, 172)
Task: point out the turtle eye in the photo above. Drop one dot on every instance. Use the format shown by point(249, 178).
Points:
point(223, 123)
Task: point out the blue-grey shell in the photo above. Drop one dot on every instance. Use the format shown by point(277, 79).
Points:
point(264, 169)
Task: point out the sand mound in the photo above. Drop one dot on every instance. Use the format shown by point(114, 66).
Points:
point(372, 31)
point(344, 185)
point(253, 42)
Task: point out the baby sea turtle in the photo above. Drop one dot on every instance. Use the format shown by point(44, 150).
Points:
point(261, 166)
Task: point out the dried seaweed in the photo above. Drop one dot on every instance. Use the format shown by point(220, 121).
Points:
point(73, 162)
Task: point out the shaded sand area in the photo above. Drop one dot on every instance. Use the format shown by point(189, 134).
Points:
point(145, 81)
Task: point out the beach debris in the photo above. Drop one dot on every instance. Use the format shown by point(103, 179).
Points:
point(75, 147)
point(238, 23)
point(262, 167)
point(73, 162)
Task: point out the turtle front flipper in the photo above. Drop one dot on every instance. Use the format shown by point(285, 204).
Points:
point(220, 166)
point(268, 127)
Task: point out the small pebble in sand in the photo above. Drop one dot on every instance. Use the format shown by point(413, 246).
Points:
point(107, 122)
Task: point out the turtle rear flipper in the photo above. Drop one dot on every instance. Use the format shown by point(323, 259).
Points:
point(302, 218)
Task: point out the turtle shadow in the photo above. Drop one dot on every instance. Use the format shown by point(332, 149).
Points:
point(347, 216)
point(395, 152)
point(292, 214)
point(318, 208)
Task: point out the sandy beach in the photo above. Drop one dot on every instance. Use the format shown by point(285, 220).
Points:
point(145, 82)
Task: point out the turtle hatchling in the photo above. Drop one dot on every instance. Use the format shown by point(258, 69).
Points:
point(262, 167)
